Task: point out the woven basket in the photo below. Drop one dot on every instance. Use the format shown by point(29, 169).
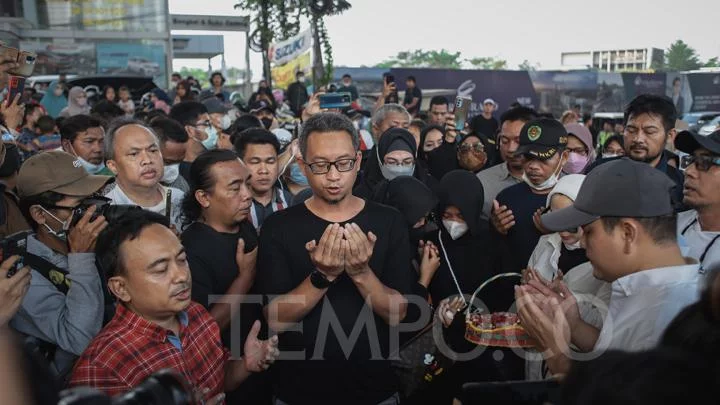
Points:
point(499, 329)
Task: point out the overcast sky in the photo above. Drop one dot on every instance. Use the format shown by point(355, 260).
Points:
point(374, 30)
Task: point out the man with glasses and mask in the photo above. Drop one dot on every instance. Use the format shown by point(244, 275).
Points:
point(543, 149)
point(699, 228)
point(56, 311)
point(194, 117)
point(335, 269)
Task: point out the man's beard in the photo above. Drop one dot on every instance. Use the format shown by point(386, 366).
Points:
point(333, 201)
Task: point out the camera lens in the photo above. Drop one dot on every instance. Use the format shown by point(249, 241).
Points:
point(164, 387)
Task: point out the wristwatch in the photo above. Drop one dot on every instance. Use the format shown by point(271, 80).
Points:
point(319, 280)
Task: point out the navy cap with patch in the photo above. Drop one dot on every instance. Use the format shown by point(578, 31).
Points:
point(542, 139)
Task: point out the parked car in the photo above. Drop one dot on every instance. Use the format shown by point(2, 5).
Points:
point(696, 120)
point(710, 127)
point(143, 66)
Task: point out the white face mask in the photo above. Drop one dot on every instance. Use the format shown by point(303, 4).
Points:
point(609, 155)
point(390, 172)
point(63, 233)
point(90, 167)
point(225, 122)
point(170, 173)
point(455, 229)
point(549, 183)
point(573, 246)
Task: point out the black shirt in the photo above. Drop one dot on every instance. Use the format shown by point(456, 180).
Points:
point(410, 94)
point(329, 376)
point(482, 125)
point(569, 259)
point(517, 246)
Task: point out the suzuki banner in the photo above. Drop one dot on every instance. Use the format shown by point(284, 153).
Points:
point(285, 51)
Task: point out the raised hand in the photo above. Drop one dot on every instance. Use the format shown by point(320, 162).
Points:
point(328, 255)
point(358, 248)
point(12, 289)
point(429, 263)
point(502, 218)
point(82, 237)
point(259, 354)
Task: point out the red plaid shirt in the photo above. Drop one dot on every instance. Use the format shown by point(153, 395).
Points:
point(131, 348)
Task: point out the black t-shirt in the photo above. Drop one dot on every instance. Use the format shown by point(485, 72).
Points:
point(570, 258)
point(410, 95)
point(211, 257)
point(329, 376)
point(517, 246)
point(482, 125)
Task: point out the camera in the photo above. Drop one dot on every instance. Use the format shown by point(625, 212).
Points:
point(12, 245)
point(165, 387)
point(104, 208)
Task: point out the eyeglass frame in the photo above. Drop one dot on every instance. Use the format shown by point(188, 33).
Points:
point(353, 162)
point(708, 162)
point(476, 147)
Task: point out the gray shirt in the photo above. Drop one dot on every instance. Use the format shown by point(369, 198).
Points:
point(69, 321)
point(495, 180)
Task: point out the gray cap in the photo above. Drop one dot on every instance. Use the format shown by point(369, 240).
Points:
point(622, 188)
point(215, 106)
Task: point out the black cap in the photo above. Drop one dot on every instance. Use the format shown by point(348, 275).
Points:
point(260, 105)
point(542, 138)
point(621, 188)
point(688, 142)
point(215, 106)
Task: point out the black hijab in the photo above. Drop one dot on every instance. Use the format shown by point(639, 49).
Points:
point(422, 155)
point(372, 175)
point(411, 197)
point(462, 189)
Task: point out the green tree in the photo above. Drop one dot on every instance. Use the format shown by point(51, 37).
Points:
point(712, 62)
point(276, 20)
point(441, 59)
point(199, 74)
point(680, 56)
point(526, 65)
point(488, 63)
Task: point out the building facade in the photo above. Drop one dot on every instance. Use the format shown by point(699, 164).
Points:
point(615, 60)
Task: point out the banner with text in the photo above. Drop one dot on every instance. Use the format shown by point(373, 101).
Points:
point(284, 75)
point(289, 49)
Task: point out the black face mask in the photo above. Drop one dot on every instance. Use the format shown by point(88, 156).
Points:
point(267, 122)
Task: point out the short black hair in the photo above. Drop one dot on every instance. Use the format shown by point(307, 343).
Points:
point(346, 75)
point(12, 162)
point(586, 117)
point(187, 112)
point(615, 138)
point(521, 113)
point(653, 105)
point(438, 100)
point(242, 123)
point(106, 110)
point(328, 122)
point(46, 199)
point(418, 123)
point(200, 178)
point(176, 74)
point(168, 129)
point(212, 76)
point(125, 228)
point(675, 80)
point(72, 126)
point(46, 124)
point(661, 229)
point(255, 136)
point(29, 110)
point(411, 78)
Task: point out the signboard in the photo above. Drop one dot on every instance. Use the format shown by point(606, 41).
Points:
point(197, 46)
point(208, 22)
point(103, 15)
point(705, 89)
point(284, 75)
point(56, 58)
point(285, 51)
point(132, 59)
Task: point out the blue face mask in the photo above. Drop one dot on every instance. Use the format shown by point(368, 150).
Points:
point(297, 176)
point(210, 142)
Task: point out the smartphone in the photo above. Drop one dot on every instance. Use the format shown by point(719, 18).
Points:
point(12, 245)
point(462, 108)
point(26, 59)
point(389, 78)
point(16, 85)
point(335, 100)
point(168, 204)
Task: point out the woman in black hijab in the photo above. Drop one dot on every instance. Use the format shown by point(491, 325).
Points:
point(462, 238)
point(395, 156)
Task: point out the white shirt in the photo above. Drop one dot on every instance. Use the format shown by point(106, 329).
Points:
point(693, 241)
point(642, 305)
point(119, 197)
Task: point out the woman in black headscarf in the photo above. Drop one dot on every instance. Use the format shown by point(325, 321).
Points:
point(395, 156)
point(462, 238)
point(416, 201)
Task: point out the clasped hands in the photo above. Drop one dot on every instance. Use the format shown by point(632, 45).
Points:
point(342, 249)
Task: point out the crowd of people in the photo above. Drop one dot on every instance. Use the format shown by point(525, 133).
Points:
point(273, 265)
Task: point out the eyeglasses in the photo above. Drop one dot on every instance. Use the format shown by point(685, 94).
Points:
point(342, 165)
point(702, 162)
point(203, 124)
point(475, 147)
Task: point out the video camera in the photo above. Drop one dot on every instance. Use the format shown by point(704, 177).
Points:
point(165, 387)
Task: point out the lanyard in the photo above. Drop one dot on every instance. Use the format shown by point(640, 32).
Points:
point(707, 248)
